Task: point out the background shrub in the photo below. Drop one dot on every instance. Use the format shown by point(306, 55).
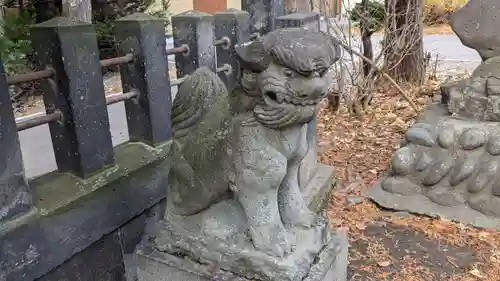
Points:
point(376, 15)
point(15, 45)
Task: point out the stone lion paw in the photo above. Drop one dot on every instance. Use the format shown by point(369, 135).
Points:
point(271, 239)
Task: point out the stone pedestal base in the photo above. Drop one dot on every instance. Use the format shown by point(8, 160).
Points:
point(449, 167)
point(153, 265)
point(317, 191)
point(214, 245)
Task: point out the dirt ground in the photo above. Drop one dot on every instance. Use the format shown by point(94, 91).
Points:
point(389, 245)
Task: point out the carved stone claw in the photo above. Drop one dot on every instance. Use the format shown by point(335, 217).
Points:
point(271, 239)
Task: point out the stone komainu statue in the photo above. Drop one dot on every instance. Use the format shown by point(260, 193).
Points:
point(247, 145)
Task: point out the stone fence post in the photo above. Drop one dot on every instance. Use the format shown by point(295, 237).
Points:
point(310, 21)
point(15, 195)
point(148, 115)
point(82, 139)
point(234, 26)
point(263, 14)
point(194, 30)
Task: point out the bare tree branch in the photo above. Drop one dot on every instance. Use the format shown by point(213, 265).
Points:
point(383, 73)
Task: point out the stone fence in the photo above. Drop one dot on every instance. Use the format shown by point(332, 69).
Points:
point(83, 221)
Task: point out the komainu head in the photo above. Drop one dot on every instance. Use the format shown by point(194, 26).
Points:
point(285, 72)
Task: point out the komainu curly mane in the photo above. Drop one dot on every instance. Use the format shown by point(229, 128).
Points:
point(294, 48)
point(305, 55)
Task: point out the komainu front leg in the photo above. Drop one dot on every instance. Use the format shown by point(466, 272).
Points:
point(258, 176)
point(293, 209)
point(264, 223)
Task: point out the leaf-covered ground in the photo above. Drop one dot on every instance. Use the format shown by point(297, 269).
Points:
point(389, 245)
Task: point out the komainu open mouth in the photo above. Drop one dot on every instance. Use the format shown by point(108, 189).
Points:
point(279, 98)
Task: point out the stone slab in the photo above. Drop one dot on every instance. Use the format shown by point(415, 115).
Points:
point(234, 251)
point(420, 204)
point(218, 236)
point(317, 191)
point(153, 265)
point(101, 261)
point(34, 245)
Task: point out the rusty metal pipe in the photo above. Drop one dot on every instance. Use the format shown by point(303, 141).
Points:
point(178, 50)
point(117, 61)
point(38, 121)
point(225, 68)
point(29, 77)
point(122, 97)
point(224, 42)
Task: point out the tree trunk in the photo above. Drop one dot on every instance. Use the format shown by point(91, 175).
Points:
point(403, 45)
point(366, 37)
point(80, 10)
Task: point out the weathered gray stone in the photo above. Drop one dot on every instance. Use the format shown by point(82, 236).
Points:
point(463, 170)
point(459, 178)
point(486, 173)
point(420, 136)
point(15, 194)
point(400, 186)
point(236, 199)
point(446, 138)
point(493, 145)
point(459, 183)
point(476, 26)
point(330, 265)
point(472, 138)
point(403, 161)
point(424, 161)
point(441, 166)
point(419, 203)
point(63, 224)
point(100, 261)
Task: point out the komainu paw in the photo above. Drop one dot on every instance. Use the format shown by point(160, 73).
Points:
point(271, 239)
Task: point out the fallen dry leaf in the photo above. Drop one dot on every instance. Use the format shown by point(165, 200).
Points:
point(361, 226)
point(477, 273)
point(385, 263)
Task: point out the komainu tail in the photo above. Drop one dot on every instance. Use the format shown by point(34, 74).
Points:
point(201, 122)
